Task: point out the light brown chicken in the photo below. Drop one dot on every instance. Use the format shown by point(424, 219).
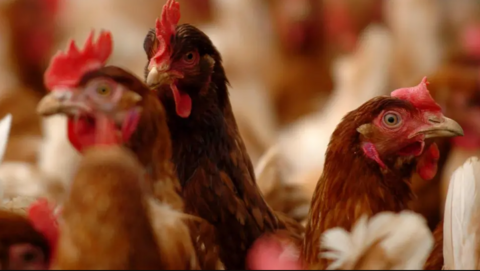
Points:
point(110, 222)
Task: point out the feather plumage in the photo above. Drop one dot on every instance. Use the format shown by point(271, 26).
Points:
point(386, 241)
point(462, 217)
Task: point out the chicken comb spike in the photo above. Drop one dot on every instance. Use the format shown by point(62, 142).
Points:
point(418, 95)
point(41, 215)
point(66, 68)
point(165, 28)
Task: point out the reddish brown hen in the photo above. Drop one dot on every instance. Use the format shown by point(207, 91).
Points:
point(370, 160)
point(210, 158)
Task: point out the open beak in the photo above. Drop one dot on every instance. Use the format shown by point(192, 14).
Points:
point(60, 102)
point(161, 75)
point(440, 127)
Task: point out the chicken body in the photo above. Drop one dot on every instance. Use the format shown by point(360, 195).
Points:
point(214, 169)
point(105, 223)
point(383, 144)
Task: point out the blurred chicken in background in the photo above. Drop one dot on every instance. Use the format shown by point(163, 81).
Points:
point(295, 67)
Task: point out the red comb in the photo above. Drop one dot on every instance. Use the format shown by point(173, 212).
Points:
point(418, 96)
point(43, 219)
point(165, 28)
point(66, 69)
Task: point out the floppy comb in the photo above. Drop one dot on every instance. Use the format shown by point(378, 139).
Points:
point(66, 68)
point(418, 95)
point(165, 28)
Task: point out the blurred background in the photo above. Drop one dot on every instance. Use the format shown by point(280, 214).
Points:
point(296, 67)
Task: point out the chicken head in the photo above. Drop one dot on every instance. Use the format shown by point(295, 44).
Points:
point(403, 130)
point(77, 90)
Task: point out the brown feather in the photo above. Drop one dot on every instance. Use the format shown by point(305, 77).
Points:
point(104, 222)
point(435, 260)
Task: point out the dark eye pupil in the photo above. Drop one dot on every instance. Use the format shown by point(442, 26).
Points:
point(28, 256)
point(391, 119)
point(189, 56)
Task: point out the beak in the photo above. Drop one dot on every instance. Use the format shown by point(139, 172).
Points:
point(440, 127)
point(161, 76)
point(57, 102)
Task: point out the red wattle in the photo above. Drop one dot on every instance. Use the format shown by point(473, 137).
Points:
point(428, 164)
point(183, 102)
point(81, 133)
point(72, 137)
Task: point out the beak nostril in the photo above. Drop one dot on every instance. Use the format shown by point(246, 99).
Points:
point(62, 95)
point(434, 120)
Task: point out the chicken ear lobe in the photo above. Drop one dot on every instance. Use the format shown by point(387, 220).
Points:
point(372, 153)
point(183, 102)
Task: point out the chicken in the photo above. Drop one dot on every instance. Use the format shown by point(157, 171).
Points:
point(27, 237)
point(88, 94)
point(105, 221)
point(383, 142)
point(210, 158)
point(387, 241)
point(22, 247)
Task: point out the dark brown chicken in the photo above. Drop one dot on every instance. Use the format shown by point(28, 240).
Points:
point(212, 164)
point(382, 143)
point(88, 94)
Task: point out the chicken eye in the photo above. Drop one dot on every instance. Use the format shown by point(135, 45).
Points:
point(391, 120)
point(103, 89)
point(189, 57)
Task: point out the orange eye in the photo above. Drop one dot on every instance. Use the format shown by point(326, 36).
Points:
point(103, 89)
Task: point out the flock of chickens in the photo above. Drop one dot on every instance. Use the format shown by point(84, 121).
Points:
point(165, 181)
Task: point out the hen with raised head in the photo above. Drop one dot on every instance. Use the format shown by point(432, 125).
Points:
point(383, 142)
point(209, 155)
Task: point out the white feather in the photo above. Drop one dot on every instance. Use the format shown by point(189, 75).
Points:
point(461, 207)
point(266, 170)
point(404, 238)
point(5, 125)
